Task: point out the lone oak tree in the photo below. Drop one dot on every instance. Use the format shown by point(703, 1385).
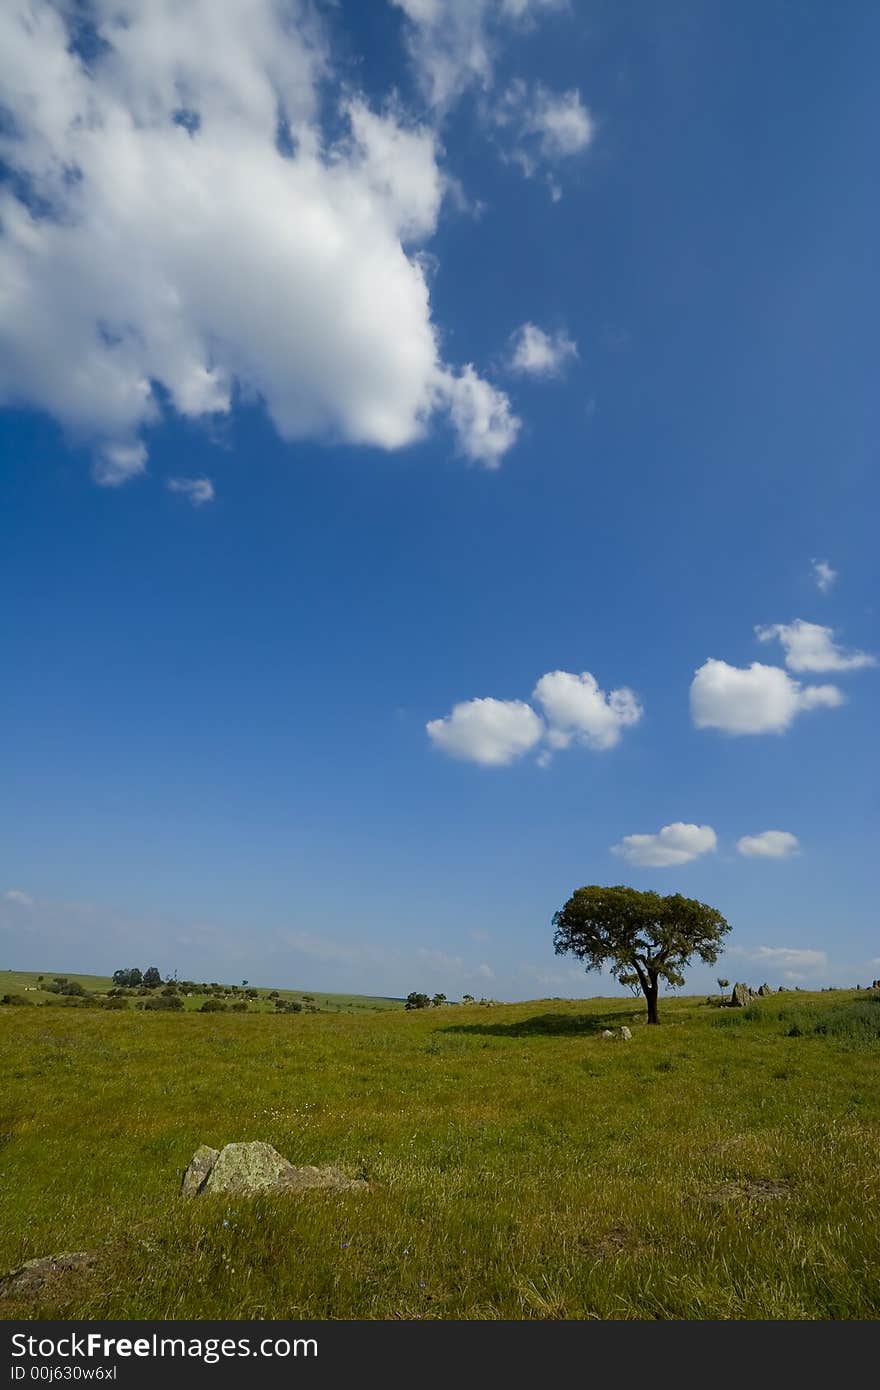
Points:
point(644, 937)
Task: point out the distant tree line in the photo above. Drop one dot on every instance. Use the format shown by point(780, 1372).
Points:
point(415, 1000)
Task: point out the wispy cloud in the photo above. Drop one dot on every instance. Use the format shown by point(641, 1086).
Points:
point(824, 575)
point(197, 490)
point(19, 897)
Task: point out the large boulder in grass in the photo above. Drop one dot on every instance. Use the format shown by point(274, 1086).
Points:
point(740, 996)
point(256, 1167)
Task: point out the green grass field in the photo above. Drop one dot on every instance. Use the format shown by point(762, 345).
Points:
point(720, 1166)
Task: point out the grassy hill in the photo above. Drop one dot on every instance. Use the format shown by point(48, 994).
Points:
point(31, 985)
point(723, 1165)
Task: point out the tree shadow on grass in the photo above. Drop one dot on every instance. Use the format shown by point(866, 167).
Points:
point(549, 1025)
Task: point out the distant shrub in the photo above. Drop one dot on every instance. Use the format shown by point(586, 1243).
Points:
point(162, 1003)
point(240, 1007)
point(417, 1001)
point(114, 1001)
point(17, 999)
point(213, 1006)
point(293, 1007)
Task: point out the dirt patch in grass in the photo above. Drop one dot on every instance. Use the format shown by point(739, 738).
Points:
point(748, 1189)
point(612, 1243)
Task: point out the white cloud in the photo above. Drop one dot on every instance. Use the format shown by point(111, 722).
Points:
point(678, 843)
point(793, 961)
point(576, 708)
point(491, 732)
point(452, 969)
point(811, 647)
point(481, 416)
point(198, 490)
point(753, 700)
point(545, 127)
point(160, 243)
point(440, 960)
point(18, 896)
point(453, 43)
point(116, 464)
point(496, 732)
point(824, 575)
point(770, 844)
point(536, 353)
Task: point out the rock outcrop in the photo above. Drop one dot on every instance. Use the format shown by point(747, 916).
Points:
point(254, 1167)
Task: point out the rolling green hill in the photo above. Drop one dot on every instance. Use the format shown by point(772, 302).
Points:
point(30, 984)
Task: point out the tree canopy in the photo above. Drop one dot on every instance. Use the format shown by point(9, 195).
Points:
point(644, 938)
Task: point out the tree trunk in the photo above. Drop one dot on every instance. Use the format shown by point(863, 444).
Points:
point(651, 992)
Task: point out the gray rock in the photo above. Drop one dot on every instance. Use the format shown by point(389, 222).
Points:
point(625, 1033)
point(739, 997)
point(252, 1167)
point(33, 1274)
point(199, 1170)
point(765, 990)
point(257, 1167)
point(606, 1033)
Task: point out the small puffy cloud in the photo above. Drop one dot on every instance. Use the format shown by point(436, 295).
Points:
point(540, 354)
point(577, 709)
point(490, 732)
point(678, 843)
point(824, 575)
point(198, 490)
point(497, 732)
point(19, 897)
point(163, 249)
point(811, 647)
point(770, 844)
point(753, 700)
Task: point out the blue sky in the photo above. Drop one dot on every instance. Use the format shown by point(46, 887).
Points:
point(358, 364)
